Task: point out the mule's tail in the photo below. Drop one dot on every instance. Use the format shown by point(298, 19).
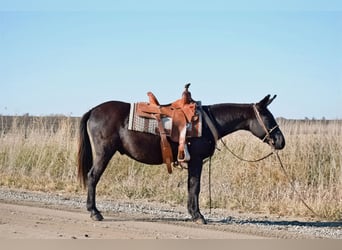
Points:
point(85, 157)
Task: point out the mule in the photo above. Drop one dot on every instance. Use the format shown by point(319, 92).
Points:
point(104, 131)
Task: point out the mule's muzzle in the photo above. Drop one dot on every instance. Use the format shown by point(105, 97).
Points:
point(276, 140)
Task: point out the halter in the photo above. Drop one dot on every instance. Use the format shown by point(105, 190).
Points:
point(261, 122)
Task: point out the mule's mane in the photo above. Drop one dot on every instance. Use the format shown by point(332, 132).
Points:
point(229, 117)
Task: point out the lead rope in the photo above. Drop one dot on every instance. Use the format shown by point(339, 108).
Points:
point(293, 186)
point(290, 180)
point(210, 206)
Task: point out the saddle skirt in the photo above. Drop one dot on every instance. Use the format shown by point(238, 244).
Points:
point(150, 125)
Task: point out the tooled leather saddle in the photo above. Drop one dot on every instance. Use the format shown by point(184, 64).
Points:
point(182, 112)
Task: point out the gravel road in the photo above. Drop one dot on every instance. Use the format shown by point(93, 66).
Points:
point(27, 214)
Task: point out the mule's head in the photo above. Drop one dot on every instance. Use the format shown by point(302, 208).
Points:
point(264, 126)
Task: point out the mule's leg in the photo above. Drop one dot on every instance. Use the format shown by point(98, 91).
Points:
point(194, 183)
point(94, 175)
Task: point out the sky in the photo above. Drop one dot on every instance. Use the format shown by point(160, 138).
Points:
point(65, 57)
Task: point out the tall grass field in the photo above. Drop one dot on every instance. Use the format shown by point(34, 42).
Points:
point(40, 153)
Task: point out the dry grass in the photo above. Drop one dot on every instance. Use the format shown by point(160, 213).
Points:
point(40, 154)
point(312, 159)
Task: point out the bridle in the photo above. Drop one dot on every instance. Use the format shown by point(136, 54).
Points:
point(270, 141)
point(267, 137)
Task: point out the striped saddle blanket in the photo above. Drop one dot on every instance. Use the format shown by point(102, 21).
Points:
point(148, 125)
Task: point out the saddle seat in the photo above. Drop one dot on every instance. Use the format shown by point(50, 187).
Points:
point(182, 112)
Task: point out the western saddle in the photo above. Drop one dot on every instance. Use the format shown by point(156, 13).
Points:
point(182, 112)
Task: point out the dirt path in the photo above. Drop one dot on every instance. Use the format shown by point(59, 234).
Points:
point(40, 215)
point(21, 221)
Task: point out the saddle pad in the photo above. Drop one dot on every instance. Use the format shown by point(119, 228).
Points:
point(147, 125)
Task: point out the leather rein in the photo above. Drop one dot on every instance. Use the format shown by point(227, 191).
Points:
point(266, 137)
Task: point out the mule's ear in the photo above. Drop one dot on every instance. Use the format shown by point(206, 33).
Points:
point(263, 102)
point(266, 101)
point(271, 100)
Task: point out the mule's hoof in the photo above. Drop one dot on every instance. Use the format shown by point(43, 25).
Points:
point(97, 217)
point(200, 220)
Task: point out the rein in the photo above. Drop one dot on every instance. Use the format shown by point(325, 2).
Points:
point(274, 151)
point(266, 137)
point(242, 159)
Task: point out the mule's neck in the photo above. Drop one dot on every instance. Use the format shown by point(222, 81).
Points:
point(229, 118)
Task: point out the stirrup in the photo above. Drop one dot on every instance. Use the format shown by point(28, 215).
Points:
point(185, 154)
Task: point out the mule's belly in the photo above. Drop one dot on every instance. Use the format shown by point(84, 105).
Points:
point(142, 147)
